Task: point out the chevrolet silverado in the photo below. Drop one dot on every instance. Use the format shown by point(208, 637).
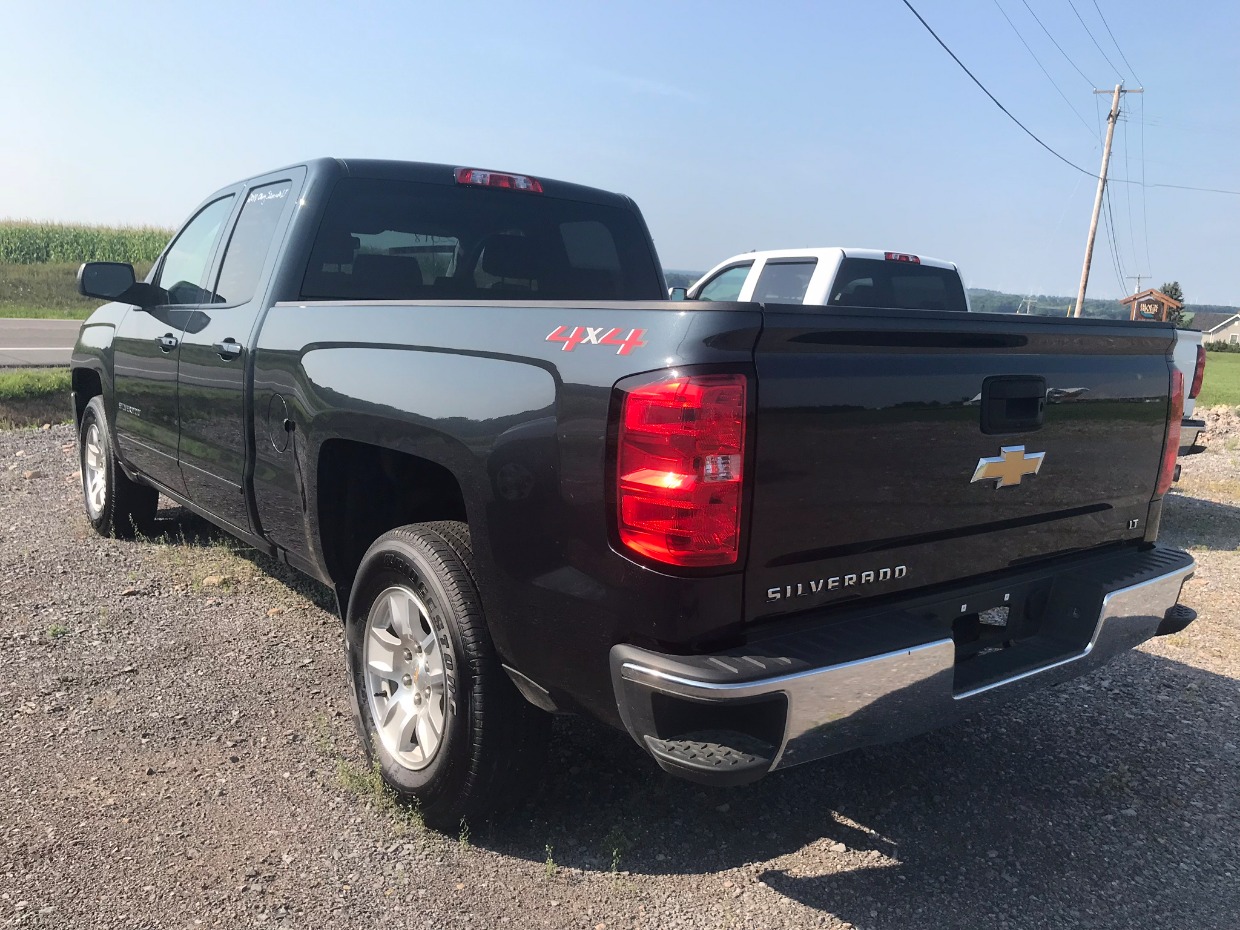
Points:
point(461, 399)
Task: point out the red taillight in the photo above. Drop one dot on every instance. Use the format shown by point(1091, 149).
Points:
point(901, 257)
point(1198, 373)
point(1172, 449)
point(516, 182)
point(680, 466)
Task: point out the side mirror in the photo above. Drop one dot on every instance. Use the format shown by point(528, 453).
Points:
point(678, 293)
point(105, 280)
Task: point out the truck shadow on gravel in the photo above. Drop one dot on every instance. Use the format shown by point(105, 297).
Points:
point(1110, 801)
point(1196, 523)
point(176, 526)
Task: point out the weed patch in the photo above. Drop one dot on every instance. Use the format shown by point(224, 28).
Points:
point(368, 785)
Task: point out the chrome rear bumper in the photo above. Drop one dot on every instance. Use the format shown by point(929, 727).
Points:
point(878, 698)
point(1190, 436)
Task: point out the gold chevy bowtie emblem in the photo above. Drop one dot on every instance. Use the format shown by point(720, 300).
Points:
point(1009, 467)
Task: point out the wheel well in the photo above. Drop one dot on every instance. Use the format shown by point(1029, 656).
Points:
point(366, 490)
point(86, 384)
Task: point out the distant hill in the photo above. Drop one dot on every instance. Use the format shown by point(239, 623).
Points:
point(984, 300)
point(680, 278)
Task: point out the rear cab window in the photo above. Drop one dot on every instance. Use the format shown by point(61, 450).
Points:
point(412, 240)
point(870, 282)
point(784, 281)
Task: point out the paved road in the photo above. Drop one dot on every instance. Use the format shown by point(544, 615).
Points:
point(37, 342)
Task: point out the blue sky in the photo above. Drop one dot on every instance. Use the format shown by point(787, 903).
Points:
point(734, 126)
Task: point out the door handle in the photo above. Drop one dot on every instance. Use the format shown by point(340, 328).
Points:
point(228, 349)
point(167, 342)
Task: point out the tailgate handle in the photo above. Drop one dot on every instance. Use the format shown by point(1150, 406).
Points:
point(1013, 403)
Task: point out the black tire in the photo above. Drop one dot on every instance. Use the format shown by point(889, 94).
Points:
point(127, 509)
point(493, 742)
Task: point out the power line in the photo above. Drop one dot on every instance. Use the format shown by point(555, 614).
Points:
point(1040, 65)
point(1057, 45)
point(1132, 240)
point(1145, 221)
point(1185, 187)
point(1179, 187)
point(993, 98)
point(1117, 45)
point(1110, 222)
point(1028, 132)
point(1091, 36)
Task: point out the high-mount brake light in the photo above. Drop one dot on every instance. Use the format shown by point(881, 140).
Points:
point(680, 468)
point(901, 257)
point(515, 182)
point(1166, 474)
point(1199, 372)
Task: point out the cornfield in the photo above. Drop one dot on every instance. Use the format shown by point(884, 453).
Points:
point(26, 243)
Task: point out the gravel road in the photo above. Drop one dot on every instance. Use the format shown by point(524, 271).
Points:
point(177, 752)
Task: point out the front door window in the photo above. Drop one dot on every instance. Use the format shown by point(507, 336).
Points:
point(183, 273)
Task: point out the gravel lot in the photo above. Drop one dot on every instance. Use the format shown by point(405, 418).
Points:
point(177, 752)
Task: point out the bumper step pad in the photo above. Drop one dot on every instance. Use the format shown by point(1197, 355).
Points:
point(714, 757)
point(1176, 619)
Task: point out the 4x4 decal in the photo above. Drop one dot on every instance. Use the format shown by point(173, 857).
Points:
point(597, 336)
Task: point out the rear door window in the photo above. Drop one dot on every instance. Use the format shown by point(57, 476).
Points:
point(250, 242)
point(870, 282)
point(727, 284)
point(392, 240)
point(784, 282)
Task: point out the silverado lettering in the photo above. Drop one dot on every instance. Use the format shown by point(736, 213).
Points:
point(804, 589)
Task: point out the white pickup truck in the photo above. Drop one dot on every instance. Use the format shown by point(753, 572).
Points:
point(835, 277)
point(846, 277)
point(1189, 358)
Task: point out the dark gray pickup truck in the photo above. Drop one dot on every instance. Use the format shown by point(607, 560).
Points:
point(750, 535)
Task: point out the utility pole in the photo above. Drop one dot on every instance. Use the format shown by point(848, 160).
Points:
point(1138, 278)
point(1112, 119)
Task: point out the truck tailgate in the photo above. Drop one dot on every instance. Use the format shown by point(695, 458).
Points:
point(872, 427)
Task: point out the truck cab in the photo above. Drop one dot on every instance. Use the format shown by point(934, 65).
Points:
point(836, 277)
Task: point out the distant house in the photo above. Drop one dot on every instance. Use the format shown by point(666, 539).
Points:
point(1227, 330)
point(1205, 320)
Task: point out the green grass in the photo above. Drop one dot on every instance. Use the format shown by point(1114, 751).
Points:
point(33, 396)
point(23, 242)
point(47, 291)
point(1222, 381)
point(32, 383)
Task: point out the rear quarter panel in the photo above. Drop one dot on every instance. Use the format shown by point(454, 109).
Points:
point(521, 422)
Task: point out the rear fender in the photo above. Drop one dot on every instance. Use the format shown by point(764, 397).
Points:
point(490, 423)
